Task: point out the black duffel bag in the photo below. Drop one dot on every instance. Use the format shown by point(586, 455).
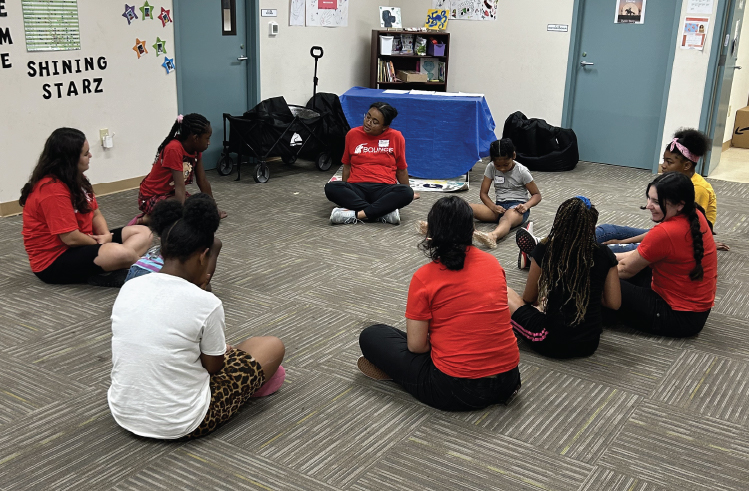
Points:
point(540, 146)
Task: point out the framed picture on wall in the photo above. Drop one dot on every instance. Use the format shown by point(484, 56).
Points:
point(630, 12)
point(390, 17)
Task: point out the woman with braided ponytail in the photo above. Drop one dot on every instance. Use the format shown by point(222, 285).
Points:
point(570, 278)
point(458, 352)
point(179, 158)
point(674, 295)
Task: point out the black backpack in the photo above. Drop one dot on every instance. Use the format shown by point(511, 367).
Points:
point(540, 146)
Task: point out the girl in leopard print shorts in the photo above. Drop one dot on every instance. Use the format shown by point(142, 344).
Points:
point(173, 374)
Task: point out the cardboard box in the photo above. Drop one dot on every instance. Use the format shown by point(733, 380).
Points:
point(741, 129)
point(414, 76)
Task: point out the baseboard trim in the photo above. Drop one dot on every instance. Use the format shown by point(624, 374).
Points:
point(726, 146)
point(11, 208)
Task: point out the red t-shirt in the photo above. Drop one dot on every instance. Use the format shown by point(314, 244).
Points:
point(469, 322)
point(374, 158)
point(174, 157)
point(48, 213)
point(668, 247)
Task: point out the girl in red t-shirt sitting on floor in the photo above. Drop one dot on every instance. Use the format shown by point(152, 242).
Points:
point(65, 234)
point(375, 176)
point(674, 295)
point(178, 159)
point(459, 352)
point(571, 276)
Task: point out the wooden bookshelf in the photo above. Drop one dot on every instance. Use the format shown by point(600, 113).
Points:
point(406, 61)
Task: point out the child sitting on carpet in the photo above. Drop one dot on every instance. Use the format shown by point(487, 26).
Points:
point(173, 375)
point(571, 277)
point(178, 159)
point(516, 193)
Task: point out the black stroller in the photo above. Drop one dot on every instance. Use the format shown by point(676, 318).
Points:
point(274, 128)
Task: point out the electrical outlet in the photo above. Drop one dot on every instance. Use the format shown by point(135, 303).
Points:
point(102, 133)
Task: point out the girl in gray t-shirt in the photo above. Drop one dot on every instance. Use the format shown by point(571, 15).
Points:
point(516, 193)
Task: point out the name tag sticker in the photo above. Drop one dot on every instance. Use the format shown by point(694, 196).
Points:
point(384, 143)
point(499, 179)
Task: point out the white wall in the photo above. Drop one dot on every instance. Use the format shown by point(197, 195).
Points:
point(138, 102)
point(740, 87)
point(513, 61)
point(688, 79)
point(286, 67)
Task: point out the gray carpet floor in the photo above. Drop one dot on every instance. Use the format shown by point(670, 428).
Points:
point(643, 413)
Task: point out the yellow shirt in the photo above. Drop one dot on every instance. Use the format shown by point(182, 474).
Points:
point(705, 197)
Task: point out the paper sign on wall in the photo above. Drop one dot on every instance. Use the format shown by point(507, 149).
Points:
point(630, 12)
point(327, 4)
point(326, 17)
point(695, 33)
point(296, 13)
point(700, 7)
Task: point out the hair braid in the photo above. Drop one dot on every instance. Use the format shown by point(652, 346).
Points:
point(697, 244)
point(191, 124)
point(569, 256)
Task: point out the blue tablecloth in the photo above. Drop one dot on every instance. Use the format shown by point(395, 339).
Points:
point(445, 135)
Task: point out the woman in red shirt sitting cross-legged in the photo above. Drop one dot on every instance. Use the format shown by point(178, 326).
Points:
point(375, 176)
point(65, 234)
point(458, 352)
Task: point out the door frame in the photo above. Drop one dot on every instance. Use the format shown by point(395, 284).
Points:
point(711, 97)
point(572, 65)
point(252, 41)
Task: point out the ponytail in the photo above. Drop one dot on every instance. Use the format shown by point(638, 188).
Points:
point(697, 244)
point(183, 127)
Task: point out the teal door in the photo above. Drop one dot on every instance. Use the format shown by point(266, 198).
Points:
point(723, 81)
point(215, 63)
point(619, 76)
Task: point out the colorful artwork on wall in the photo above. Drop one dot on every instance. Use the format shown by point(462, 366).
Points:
point(165, 17)
point(468, 9)
point(436, 20)
point(140, 48)
point(168, 65)
point(316, 16)
point(130, 14)
point(147, 11)
point(159, 47)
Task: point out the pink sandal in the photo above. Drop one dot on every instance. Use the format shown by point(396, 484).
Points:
point(272, 384)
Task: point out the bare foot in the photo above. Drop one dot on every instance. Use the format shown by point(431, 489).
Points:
point(222, 214)
point(721, 246)
point(485, 239)
point(417, 196)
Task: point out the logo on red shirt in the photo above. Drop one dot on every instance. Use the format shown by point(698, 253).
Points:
point(363, 148)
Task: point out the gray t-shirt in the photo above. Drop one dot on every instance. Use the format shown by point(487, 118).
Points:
point(510, 186)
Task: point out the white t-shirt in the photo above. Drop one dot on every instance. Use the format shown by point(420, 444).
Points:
point(160, 326)
point(510, 186)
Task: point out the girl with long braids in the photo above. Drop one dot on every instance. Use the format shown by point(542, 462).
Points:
point(458, 352)
point(179, 158)
point(65, 234)
point(570, 278)
point(669, 281)
point(173, 375)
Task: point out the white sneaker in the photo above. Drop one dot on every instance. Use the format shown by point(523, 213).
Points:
point(393, 217)
point(342, 216)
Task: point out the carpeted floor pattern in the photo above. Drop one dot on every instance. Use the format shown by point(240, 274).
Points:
point(643, 413)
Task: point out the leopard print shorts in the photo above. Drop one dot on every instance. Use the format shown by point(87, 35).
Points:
point(241, 376)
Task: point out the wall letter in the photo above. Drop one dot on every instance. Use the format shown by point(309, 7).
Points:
point(86, 86)
point(102, 62)
point(47, 93)
point(72, 89)
point(5, 36)
point(59, 89)
point(32, 68)
point(4, 58)
point(2, 8)
point(97, 90)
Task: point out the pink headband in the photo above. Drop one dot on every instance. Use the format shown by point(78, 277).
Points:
point(179, 120)
point(683, 150)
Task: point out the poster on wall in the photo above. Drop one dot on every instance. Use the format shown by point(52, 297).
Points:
point(700, 7)
point(630, 12)
point(296, 13)
point(436, 20)
point(468, 9)
point(390, 17)
point(326, 17)
point(51, 25)
point(694, 33)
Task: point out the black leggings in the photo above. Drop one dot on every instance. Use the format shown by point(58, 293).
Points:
point(76, 265)
point(645, 310)
point(387, 348)
point(375, 199)
point(530, 323)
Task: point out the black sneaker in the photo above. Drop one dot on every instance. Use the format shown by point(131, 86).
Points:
point(110, 279)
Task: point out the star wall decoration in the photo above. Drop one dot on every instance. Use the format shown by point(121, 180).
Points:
point(165, 17)
point(140, 48)
point(147, 11)
point(130, 14)
point(159, 47)
point(168, 65)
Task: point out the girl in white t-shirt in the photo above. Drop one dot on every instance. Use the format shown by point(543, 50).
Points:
point(515, 190)
point(173, 375)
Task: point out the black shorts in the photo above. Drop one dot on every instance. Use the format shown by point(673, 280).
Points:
point(76, 265)
point(530, 323)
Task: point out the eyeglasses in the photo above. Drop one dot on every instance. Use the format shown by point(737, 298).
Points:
point(369, 118)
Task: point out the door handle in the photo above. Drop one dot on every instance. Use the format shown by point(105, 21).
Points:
point(242, 58)
point(735, 66)
point(586, 63)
